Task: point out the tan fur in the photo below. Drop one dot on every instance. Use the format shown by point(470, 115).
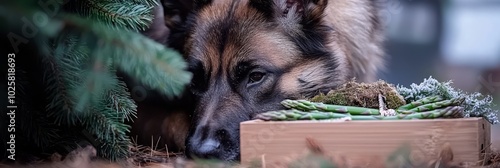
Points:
point(280, 51)
point(356, 41)
point(358, 38)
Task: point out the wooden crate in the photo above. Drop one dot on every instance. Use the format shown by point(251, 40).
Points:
point(363, 143)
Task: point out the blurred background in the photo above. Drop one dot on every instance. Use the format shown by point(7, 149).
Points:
point(456, 40)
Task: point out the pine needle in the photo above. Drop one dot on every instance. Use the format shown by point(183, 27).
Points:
point(133, 15)
point(61, 77)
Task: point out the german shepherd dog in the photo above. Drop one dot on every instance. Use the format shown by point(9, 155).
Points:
point(247, 56)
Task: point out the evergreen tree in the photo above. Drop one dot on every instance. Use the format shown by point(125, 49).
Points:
point(68, 90)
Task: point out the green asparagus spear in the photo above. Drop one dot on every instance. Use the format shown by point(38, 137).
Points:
point(427, 100)
point(294, 114)
point(305, 105)
point(439, 104)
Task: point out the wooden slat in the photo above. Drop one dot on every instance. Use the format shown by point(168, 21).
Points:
point(363, 141)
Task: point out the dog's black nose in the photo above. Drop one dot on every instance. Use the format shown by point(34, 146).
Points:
point(205, 149)
point(205, 143)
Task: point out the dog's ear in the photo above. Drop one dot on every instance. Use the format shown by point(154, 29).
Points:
point(291, 11)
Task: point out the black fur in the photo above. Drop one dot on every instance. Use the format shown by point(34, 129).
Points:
point(264, 6)
point(199, 82)
point(315, 33)
point(241, 71)
point(223, 28)
point(312, 42)
point(313, 88)
point(199, 4)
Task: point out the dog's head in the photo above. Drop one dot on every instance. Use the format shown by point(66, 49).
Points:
point(246, 57)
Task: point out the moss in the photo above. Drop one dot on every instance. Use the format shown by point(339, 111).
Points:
point(362, 95)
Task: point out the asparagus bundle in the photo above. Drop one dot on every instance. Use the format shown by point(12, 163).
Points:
point(426, 108)
point(294, 114)
point(426, 104)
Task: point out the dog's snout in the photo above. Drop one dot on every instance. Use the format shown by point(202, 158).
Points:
point(206, 148)
point(206, 142)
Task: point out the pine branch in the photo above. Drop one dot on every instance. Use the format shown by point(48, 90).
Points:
point(79, 99)
point(105, 102)
point(144, 59)
point(61, 76)
point(96, 81)
point(79, 79)
point(118, 98)
point(149, 62)
point(137, 55)
point(106, 124)
point(115, 150)
point(134, 15)
point(146, 2)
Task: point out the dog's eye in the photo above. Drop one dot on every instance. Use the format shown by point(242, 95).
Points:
point(256, 77)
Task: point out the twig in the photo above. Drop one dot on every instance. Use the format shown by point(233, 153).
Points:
point(166, 149)
point(383, 107)
point(263, 161)
point(151, 152)
point(158, 141)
